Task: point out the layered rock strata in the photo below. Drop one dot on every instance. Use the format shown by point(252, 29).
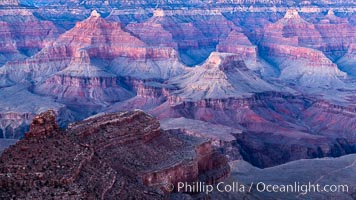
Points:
point(83, 83)
point(292, 44)
point(123, 155)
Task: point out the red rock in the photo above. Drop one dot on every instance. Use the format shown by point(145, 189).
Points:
point(101, 40)
point(239, 44)
point(22, 34)
point(149, 96)
point(191, 40)
point(337, 35)
point(122, 155)
point(43, 125)
point(293, 30)
point(152, 34)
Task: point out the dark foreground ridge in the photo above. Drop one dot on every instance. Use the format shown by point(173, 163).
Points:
point(114, 156)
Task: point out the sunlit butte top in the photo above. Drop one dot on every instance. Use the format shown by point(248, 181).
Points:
point(292, 13)
point(158, 13)
point(95, 13)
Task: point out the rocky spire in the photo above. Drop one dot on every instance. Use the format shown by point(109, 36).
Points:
point(43, 125)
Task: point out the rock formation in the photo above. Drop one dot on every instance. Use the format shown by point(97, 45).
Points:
point(293, 30)
point(192, 44)
point(337, 35)
point(158, 63)
point(22, 34)
point(101, 40)
point(223, 75)
point(7, 47)
point(81, 83)
point(239, 44)
point(152, 34)
point(291, 43)
point(123, 155)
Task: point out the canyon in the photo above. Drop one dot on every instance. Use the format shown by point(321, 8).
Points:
point(206, 67)
point(265, 83)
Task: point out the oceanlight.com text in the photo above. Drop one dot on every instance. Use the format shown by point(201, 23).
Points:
point(260, 187)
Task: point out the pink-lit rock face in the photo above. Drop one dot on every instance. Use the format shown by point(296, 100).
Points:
point(122, 154)
point(293, 30)
point(149, 95)
point(101, 40)
point(98, 37)
point(196, 36)
point(239, 44)
point(22, 34)
point(35, 38)
point(152, 34)
point(337, 35)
